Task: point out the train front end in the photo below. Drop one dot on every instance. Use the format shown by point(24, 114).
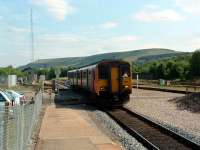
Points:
point(115, 81)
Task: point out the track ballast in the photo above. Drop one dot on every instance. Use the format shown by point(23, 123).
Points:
point(149, 133)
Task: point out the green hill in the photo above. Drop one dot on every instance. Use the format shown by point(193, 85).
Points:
point(137, 56)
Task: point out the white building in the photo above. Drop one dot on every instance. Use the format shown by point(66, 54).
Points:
point(12, 80)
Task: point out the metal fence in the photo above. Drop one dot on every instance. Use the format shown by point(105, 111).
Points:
point(17, 124)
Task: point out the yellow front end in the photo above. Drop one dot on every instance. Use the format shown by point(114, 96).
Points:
point(126, 85)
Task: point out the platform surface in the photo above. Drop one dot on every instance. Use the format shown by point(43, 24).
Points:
point(71, 129)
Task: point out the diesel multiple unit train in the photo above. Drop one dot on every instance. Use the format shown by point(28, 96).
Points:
point(108, 81)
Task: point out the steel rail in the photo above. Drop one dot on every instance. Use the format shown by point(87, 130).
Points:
point(163, 89)
point(149, 132)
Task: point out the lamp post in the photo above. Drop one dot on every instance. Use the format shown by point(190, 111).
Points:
point(137, 79)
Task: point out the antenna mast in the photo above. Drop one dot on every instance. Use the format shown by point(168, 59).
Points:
point(32, 36)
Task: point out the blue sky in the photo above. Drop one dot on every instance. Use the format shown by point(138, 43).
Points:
point(67, 28)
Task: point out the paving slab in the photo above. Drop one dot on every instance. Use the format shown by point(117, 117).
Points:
point(71, 144)
point(70, 129)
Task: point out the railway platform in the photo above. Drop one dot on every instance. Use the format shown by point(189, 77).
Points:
point(69, 128)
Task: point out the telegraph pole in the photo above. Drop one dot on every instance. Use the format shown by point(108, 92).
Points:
point(32, 36)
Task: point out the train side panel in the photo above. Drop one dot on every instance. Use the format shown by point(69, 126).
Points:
point(84, 79)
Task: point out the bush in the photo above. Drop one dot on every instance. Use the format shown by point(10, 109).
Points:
point(10, 70)
point(195, 64)
point(173, 68)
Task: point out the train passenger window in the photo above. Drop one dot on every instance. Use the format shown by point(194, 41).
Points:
point(78, 75)
point(69, 74)
point(85, 74)
point(125, 71)
point(93, 74)
point(81, 74)
point(103, 72)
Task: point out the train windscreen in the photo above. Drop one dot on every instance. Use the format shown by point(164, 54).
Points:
point(125, 71)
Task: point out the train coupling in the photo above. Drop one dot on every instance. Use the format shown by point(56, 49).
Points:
point(116, 98)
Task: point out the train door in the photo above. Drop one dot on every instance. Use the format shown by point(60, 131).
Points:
point(73, 78)
point(81, 78)
point(77, 77)
point(93, 80)
point(87, 78)
point(114, 79)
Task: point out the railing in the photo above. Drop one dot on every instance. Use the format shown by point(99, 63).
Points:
point(17, 124)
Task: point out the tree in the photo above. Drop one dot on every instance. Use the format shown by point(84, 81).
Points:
point(51, 73)
point(42, 72)
point(64, 71)
point(153, 69)
point(2, 71)
point(161, 70)
point(195, 64)
point(136, 68)
point(169, 66)
point(10, 70)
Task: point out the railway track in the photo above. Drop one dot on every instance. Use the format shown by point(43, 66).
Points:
point(149, 133)
point(163, 89)
point(195, 89)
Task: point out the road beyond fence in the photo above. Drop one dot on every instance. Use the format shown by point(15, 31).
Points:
point(17, 124)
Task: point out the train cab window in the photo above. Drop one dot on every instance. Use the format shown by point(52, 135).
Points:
point(103, 71)
point(125, 71)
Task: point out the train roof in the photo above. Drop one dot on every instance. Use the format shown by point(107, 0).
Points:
point(98, 62)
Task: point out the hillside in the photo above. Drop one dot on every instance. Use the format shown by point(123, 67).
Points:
point(137, 56)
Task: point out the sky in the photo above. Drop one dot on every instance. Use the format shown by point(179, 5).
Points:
point(69, 28)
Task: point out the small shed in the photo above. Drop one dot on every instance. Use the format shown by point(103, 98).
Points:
point(42, 78)
point(12, 80)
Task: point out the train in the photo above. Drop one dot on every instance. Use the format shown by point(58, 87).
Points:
point(107, 81)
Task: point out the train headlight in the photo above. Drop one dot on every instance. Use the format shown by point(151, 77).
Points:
point(126, 86)
point(102, 88)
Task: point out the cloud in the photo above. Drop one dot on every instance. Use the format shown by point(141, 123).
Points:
point(67, 45)
point(190, 6)
point(126, 38)
point(109, 25)
point(58, 9)
point(118, 43)
point(65, 38)
point(2, 53)
point(1, 17)
point(194, 43)
point(152, 45)
point(154, 14)
point(19, 30)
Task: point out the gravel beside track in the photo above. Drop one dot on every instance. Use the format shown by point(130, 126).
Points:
point(129, 142)
point(169, 109)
